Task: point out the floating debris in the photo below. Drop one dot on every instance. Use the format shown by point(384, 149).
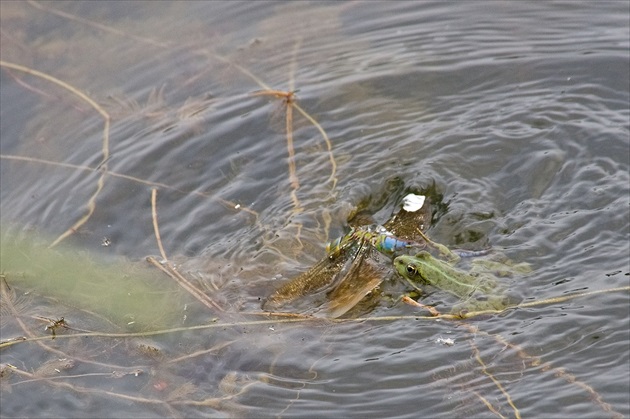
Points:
point(447, 341)
point(413, 202)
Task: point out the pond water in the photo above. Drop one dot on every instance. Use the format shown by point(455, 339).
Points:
point(516, 113)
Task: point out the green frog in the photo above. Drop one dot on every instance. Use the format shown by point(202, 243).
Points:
point(477, 290)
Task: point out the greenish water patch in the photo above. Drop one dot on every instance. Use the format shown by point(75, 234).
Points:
point(131, 295)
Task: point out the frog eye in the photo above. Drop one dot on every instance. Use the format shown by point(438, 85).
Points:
point(411, 269)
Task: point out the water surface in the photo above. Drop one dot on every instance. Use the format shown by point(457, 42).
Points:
point(517, 112)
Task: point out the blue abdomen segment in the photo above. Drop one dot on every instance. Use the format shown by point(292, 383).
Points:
point(390, 244)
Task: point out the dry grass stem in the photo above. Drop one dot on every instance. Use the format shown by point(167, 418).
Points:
point(166, 267)
point(185, 284)
point(94, 24)
point(484, 369)
point(227, 204)
point(156, 228)
point(102, 166)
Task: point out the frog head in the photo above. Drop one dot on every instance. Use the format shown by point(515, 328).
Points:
point(421, 268)
point(425, 269)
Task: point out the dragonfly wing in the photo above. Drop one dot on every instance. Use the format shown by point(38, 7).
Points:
point(363, 276)
point(321, 276)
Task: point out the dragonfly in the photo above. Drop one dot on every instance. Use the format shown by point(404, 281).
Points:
point(377, 237)
point(352, 267)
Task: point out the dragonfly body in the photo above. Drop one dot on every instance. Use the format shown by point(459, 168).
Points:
point(382, 240)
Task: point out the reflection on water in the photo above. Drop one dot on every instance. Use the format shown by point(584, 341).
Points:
point(516, 112)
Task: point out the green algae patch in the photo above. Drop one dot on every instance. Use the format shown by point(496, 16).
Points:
point(133, 296)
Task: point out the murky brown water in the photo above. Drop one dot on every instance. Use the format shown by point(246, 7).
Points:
point(517, 112)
